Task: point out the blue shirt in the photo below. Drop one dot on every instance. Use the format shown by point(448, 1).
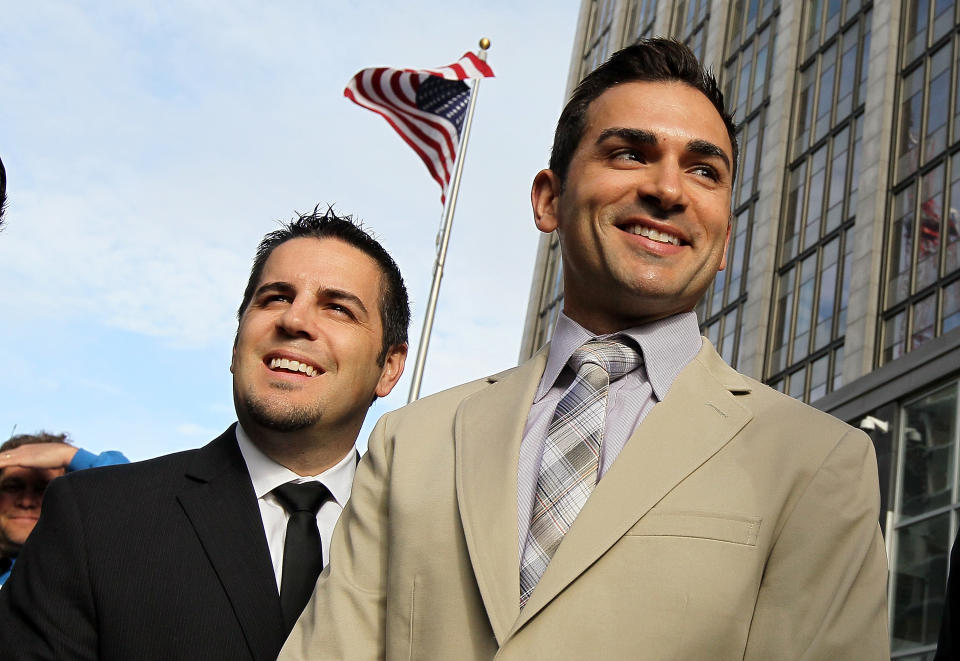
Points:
point(81, 461)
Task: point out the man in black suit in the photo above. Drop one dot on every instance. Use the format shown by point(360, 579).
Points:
point(182, 557)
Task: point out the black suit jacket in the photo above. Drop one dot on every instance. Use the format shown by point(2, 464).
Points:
point(948, 647)
point(162, 559)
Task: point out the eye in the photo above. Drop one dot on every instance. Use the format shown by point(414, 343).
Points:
point(340, 309)
point(628, 156)
point(706, 171)
point(270, 299)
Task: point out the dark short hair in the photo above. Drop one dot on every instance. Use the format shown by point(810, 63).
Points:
point(3, 191)
point(649, 60)
point(30, 439)
point(394, 303)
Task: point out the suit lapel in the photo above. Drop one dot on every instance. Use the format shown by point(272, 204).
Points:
point(219, 500)
point(488, 430)
point(696, 419)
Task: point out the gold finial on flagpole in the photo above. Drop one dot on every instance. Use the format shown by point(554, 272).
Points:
point(484, 44)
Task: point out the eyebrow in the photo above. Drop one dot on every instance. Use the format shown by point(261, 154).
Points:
point(644, 137)
point(342, 295)
point(330, 293)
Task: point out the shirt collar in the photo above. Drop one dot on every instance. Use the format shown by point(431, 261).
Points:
point(266, 474)
point(667, 346)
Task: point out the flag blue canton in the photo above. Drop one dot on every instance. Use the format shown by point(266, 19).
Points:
point(446, 98)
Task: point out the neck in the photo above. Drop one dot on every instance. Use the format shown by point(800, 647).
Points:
point(305, 452)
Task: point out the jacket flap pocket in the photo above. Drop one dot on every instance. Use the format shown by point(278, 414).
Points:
point(721, 526)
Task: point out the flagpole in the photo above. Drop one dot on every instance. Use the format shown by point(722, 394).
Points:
point(445, 237)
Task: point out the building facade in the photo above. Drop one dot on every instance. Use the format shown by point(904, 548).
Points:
point(843, 280)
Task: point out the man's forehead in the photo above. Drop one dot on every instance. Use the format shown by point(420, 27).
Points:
point(630, 100)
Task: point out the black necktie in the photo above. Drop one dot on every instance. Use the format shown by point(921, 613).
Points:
point(302, 553)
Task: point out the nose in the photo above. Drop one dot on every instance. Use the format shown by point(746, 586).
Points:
point(661, 186)
point(297, 320)
point(30, 498)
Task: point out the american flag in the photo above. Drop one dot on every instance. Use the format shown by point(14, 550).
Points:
point(425, 106)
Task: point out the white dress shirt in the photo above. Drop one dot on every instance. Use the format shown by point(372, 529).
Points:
point(266, 475)
point(667, 345)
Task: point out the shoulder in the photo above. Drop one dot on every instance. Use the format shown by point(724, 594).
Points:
point(123, 482)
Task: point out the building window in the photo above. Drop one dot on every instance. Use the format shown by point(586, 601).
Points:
point(641, 15)
point(597, 40)
point(922, 261)
point(925, 520)
point(812, 278)
point(746, 86)
point(690, 24)
point(551, 297)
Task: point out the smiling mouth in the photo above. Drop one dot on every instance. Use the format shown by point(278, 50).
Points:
point(293, 366)
point(652, 234)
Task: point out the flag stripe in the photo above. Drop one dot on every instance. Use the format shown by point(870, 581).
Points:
point(434, 136)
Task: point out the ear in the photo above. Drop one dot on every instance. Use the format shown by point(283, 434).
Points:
point(392, 369)
point(726, 244)
point(544, 197)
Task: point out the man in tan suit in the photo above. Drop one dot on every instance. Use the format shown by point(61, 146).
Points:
point(624, 494)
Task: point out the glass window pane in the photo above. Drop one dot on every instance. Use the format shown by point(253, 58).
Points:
point(894, 337)
point(920, 580)
point(818, 378)
point(855, 171)
point(812, 34)
point(848, 73)
point(760, 69)
point(951, 307)
point(743, 86)
point(910, 114)
point(808, 272)
point(736, 261)
point(938, 105)
point(924, 321)
point(952, 256)
point(794, 215)
point(837, 369)
point(942, 17)
point(833, 17)
point(838, 180)
point(916, 29)
point(729, 352)
point(928, 246)
point(901, 246)
point(750, 140)
point(929, 437)
point(784, 320)
point(811, 232)
point(828, 285)
point(864, 61)
point(825, 99)
point(797, 383)
point(845, 285)
point(805, 109)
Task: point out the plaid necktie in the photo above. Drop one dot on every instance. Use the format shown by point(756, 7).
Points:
point(571, 454)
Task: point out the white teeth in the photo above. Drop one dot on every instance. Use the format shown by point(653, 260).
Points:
point(293, 366)
point(654, 235)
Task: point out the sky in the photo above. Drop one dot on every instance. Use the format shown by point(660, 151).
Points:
point(149, 146)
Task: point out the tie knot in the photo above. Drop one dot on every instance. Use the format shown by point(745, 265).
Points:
point(615, 356)
point(302, 497)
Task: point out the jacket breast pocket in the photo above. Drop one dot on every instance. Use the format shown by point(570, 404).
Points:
point(718, 526)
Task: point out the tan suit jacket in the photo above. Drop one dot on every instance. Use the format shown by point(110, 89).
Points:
point(736, 523)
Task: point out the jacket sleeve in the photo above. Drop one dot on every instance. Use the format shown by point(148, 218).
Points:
point(823, 592)
point(345, 617)
point(46, 608)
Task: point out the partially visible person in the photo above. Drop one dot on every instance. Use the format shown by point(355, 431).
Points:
point(624, 494)
point(212, 553)
point(948, 646)
point(3, 192)
point(28, 462)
